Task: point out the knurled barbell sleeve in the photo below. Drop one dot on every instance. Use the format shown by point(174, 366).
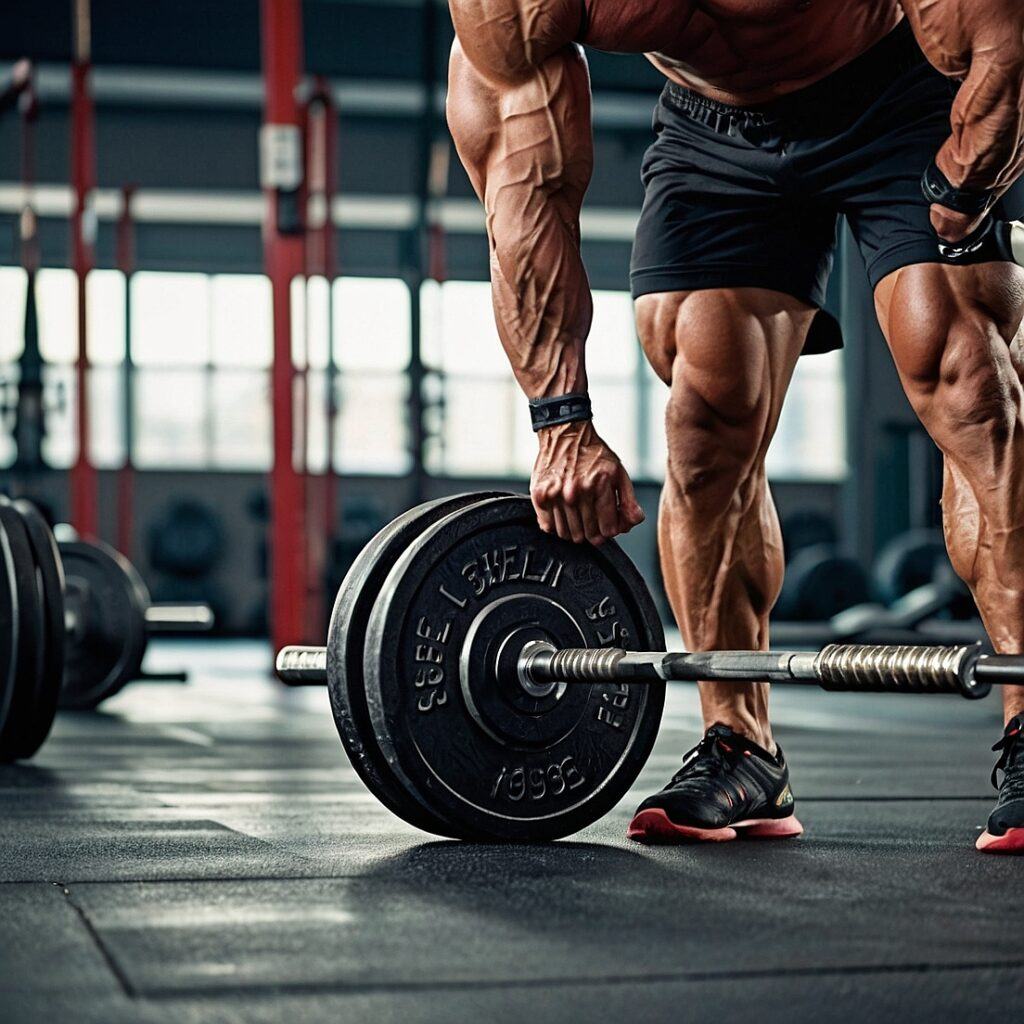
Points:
point(302, 666)
point(880, 669)
point(172, 618)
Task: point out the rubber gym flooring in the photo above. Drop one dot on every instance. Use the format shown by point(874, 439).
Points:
point(204, 852)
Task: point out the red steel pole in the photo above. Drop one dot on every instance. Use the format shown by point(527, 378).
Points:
point(83, 234)
point(284, 252)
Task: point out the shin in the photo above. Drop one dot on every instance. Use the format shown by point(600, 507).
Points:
point(727, 357)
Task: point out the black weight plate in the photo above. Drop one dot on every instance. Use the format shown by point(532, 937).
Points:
point(806, 528)
point(51, 592)
point(107, 639)
point(30, 636)
point(908, 561)
point(462, 598)
point(819, 583)
point(186, 540)
point(346, 648)
point(8, 625)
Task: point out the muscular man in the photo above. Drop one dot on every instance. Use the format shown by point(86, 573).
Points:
point(778, 116)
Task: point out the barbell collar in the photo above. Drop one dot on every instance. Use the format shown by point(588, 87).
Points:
point(172, 618)
point(302, 666)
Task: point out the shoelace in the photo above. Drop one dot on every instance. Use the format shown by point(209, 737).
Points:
point(1007, 744)
point(706, 759)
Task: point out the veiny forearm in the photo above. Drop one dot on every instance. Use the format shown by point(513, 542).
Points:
point(985, 148)
point(529, 152)
point(982, 43)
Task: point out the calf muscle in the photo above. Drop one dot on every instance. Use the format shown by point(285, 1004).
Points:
point(956, 336)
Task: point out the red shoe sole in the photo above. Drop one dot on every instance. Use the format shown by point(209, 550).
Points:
point(655, 826)
point(1011, 842)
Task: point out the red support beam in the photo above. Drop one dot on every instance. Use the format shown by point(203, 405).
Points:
point(284, 258)
point(83, 234)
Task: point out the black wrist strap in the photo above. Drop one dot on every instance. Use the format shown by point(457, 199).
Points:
point(983, 239)
point(993, 241)
point(938, 189)
point(549, 412)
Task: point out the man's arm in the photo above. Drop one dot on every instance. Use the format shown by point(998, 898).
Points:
point(519, 111)
point(980, 42)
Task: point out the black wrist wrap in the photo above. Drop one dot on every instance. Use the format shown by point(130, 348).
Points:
point(549, 412)
point(992, 241)
point(938, 189)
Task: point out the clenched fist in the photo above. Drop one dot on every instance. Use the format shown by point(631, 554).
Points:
point(580, 489)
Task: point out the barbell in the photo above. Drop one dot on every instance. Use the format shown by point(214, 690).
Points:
point(74, 621)
point(491, 681)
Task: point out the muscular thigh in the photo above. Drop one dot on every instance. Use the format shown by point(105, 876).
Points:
point(941, 320)
point(727, 354)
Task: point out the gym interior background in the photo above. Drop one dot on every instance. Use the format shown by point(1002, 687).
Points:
point(238, 409)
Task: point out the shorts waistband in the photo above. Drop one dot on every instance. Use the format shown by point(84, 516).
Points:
point(862, 79)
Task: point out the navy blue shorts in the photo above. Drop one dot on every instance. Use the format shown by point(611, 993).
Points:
point(751, 197)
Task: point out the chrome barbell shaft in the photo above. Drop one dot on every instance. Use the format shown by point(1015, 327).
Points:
point(588, 665)
point(838, 667)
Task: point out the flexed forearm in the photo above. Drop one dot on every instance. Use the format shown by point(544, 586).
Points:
point(519, 111)
point(981, 43)
point(527, 146)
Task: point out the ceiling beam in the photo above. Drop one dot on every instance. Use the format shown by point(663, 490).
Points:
point(166, 88)
point(245, 208)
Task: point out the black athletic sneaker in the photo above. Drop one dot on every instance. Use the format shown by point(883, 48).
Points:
point(1005, 832)
point(727, 784)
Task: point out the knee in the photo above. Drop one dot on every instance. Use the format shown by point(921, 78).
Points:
point(716, 443)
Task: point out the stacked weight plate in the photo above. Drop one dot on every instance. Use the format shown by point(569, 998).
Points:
point(107, 628)
point(421, 664)
point(31, 629)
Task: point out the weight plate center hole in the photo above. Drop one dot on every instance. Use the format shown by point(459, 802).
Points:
point(524, 651)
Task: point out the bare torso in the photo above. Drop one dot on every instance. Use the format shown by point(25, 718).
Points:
point(741, 51)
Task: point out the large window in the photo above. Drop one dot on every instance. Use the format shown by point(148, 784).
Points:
point(483, 423)
point(12, 333)
point(202, 348)
point(371, 348)
point(56, 297)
